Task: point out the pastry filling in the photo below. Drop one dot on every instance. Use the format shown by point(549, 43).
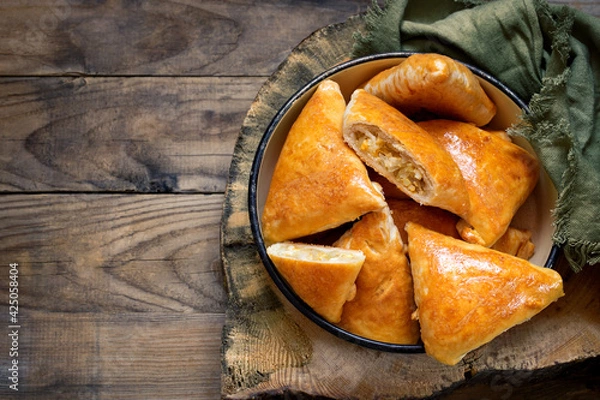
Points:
point(401, 168)
point(315, 253)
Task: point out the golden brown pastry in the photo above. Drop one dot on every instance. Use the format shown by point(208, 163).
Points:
point(437, 84)
point(516, 242)
point(432, 218)
point(322, 276)
point(499, 177)
point(402, 152)
point(318, 182)
point(467, 294)
point(384, 300)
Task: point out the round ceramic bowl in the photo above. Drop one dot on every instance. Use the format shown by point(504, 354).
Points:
point(534, 215)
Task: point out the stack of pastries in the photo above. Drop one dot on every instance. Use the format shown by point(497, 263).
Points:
point(390, 215)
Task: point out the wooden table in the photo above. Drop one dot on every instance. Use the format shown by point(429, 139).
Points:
point(118, 122)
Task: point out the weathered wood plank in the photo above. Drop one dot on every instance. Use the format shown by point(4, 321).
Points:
point(153, 355)
point(158, 37)
point(577, 380)
point(120, 134)
point(120, 295)
point(168, 37)
point(113, 253)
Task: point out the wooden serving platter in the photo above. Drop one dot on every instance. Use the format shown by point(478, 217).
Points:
point(271, 350)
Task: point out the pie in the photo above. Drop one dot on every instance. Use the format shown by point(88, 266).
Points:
point(467, 294)
point(499, 176)
point(322, 276)
point(437, 84)
point(384, 299)
point(318, 182)
point(405, 154)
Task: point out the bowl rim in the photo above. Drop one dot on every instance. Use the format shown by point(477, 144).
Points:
point(281, 284)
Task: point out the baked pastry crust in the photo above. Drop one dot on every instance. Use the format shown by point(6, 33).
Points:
point(499, 176)
point(516, 242)
point(437, 84)
point(432, 218)
point(384, 299)
point(322, 276)
point(318, 183)
point(402, 152)
point(467, 294)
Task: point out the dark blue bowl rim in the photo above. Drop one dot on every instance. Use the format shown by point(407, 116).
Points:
point(254, 217)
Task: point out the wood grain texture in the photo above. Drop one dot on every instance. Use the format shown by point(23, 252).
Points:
point(187, 37)
point(109, 253)
point(120, 134)
point(121, 355)
point(321, 365)
point(120, 295)
point(217, 38)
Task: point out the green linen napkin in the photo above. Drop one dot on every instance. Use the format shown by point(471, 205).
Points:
point(548, 55)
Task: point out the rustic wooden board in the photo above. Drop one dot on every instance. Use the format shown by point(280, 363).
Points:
point(120, 296)
point(269, 348)
point(191, 38)
point(125, 355)
point(137, 253)
point(120, 134)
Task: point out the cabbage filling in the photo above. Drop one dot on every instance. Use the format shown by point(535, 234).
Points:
point(402, 169)
point(315, 253)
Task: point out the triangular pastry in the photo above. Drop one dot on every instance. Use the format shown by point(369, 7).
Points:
point(467, 294)
point(499, 176)
point(398, 149)
point(322, 276)
point(384, 299)
point(318, 182)
point(435, 83)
